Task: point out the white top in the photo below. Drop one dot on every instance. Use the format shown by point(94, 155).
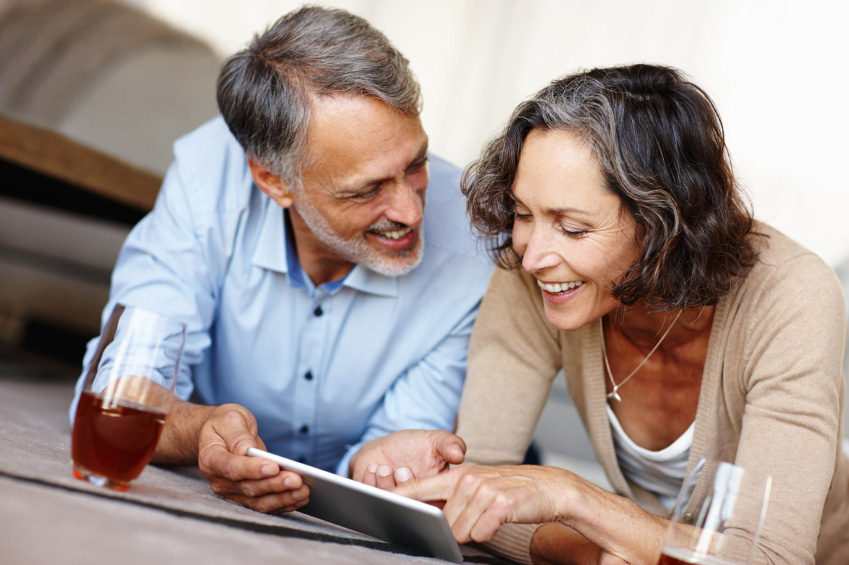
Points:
point(661, 472)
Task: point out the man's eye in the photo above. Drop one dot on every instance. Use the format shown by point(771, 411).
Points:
point(418, 165)
point(365, 195)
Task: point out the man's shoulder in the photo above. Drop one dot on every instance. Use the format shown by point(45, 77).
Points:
point(211, 135)
point(212, 166)
point(447, 226)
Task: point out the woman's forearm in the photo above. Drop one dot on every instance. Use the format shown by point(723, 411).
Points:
point(556, 544)
point(611, 524)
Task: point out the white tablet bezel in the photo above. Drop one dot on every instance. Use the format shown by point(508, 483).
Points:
point(372, 511)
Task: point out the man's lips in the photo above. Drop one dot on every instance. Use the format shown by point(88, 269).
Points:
point(394, 240)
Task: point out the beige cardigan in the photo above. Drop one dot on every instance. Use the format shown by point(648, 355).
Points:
point(771, 395)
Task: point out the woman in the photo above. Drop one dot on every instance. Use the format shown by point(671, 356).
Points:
point(685, 330)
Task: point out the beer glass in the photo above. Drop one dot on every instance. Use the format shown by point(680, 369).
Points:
point(718, 516)
point(128, 391)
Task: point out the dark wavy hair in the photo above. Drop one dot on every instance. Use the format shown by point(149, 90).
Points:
point(660, 146)
point(265, 91)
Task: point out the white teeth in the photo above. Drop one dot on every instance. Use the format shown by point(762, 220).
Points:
point(559, 287)
point(395, 234)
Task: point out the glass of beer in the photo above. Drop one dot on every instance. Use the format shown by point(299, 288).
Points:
point(718, 516)
point(128, 391)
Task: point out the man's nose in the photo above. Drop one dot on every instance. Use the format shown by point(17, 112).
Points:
point(407, 205)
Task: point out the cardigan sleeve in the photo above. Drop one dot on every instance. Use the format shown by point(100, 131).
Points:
point(785, 360)
point(514, 356)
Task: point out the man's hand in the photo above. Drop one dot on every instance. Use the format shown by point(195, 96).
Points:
point(257, 483)
point(396, 458)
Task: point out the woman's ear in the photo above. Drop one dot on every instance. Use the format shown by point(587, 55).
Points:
point(270, 184)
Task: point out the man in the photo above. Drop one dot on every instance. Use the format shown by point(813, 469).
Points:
point(290, 236)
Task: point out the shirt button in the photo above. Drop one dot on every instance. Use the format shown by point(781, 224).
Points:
point(308, 375)
point(305, 429)
point(318, 311)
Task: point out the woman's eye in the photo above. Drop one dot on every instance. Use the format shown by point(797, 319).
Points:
point(573, 233)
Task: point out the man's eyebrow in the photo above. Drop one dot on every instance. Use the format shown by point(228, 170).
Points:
point(372, 182)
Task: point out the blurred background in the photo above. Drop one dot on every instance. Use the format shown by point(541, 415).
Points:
point(126, 78)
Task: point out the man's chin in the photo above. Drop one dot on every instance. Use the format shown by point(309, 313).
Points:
point(395, 264)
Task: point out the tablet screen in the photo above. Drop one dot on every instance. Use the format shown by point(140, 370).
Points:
point(372, 511)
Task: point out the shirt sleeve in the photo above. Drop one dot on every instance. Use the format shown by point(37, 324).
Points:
point(163, 266)
point(426, 396)
point(790, 342)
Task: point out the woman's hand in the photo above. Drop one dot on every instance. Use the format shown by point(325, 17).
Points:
point(583, 523)
point(478, 500)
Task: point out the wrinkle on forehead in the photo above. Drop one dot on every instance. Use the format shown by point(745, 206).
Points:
point(355, 140)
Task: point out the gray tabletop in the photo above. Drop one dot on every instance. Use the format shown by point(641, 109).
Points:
point(169, 515)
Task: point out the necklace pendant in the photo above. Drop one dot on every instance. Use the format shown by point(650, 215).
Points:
point(614, 395)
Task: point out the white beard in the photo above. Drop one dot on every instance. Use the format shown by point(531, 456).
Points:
point(357, 250)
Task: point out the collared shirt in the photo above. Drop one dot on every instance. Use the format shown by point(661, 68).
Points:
point(324, 369)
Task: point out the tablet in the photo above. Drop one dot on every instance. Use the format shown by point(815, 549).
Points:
point(372, 511)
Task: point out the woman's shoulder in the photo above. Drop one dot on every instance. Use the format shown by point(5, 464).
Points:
point(787, 277)
point(781, 256)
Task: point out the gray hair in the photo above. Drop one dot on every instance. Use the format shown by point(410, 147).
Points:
point(660, 146)
point(265, 91)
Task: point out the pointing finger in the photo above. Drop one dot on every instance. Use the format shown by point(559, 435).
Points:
point(436, 487)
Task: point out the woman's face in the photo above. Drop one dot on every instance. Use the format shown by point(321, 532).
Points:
point(569, 229)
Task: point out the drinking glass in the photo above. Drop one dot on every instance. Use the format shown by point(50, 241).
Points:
point(128, 391)
point(718, 516)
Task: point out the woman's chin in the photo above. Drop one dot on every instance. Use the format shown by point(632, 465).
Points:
point(564, 321)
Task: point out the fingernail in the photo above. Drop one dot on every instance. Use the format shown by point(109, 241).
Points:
point(269, 470)
point(299, 494)
point(373, 468)
point(290, 482)
point(384, 470)
point(403, 475)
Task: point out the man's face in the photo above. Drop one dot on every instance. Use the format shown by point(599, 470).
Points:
point(363, 188)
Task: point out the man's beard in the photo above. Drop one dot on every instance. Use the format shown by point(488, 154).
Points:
point(357, 250)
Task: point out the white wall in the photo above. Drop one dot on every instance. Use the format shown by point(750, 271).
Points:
point(776, 69)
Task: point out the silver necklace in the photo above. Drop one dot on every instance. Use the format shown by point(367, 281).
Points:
point(614, 394)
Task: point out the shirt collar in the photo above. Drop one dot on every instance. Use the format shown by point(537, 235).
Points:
point(275, 253)
point(270, 250)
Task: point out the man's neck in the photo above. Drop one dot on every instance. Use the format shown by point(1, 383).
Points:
point(320, 264)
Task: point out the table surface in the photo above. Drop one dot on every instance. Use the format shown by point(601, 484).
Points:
point(169, 515)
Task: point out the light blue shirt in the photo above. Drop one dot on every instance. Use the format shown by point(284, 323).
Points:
point(323, 369)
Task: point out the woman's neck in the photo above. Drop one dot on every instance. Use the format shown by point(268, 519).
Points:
point(643, 328)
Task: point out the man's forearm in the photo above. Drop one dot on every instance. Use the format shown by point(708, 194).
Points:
point(179, 442)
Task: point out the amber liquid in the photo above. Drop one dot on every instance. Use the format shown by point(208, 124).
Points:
point(676, 556)
point(114, 441)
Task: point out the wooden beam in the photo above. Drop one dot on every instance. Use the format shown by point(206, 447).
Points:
point(58, 156)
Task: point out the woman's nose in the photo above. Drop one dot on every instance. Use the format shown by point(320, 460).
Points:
point(535, 250)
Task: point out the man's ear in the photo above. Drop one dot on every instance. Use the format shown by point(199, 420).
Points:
point(270, 184)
